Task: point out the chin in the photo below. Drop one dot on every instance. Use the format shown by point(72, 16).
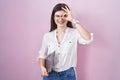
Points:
point(61, 24)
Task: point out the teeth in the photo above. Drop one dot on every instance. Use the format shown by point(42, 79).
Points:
point(60, 22)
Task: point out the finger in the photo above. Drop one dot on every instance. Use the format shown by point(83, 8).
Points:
point(64, 9)
point(67, 8)
point(44, 74)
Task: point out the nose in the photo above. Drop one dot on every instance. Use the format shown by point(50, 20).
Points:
point(61, 18)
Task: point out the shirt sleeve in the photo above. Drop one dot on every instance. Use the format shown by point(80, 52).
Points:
point(43, 51)
point(82, 40)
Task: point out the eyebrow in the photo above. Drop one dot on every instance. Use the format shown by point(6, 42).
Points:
point(60, 15)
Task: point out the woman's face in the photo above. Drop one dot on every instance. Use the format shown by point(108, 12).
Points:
point(60, 18)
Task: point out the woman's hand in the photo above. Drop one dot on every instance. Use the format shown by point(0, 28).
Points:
point(69, 14)
point(44, 71)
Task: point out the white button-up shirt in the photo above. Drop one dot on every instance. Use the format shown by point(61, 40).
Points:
point(66, 50)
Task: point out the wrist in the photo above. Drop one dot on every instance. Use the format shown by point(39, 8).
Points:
point(42, 66)
point(75, 22)
point(72, 20)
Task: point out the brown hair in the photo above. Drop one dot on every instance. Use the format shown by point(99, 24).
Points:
point(58, 7)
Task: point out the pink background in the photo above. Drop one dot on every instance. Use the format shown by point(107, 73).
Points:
point(23, 23)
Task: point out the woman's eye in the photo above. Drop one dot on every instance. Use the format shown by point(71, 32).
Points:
point(57, 16)
point(65, 15)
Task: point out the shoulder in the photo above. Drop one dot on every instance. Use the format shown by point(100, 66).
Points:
point(49, 34)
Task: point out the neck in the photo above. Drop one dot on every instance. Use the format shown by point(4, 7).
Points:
point(61, 29)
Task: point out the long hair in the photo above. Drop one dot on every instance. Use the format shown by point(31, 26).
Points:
point(58, 7)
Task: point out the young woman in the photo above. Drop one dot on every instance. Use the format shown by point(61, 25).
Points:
point(62, 39)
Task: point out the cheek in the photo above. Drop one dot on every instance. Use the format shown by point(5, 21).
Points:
point(55, 20)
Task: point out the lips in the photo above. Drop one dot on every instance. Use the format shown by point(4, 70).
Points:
point(61, 22)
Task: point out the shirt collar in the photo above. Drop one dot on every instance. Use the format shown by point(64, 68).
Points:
point(66, 32)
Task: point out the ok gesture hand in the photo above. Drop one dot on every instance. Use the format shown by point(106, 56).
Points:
point(69, 14)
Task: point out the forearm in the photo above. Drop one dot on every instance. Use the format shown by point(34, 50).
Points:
point(83, 32)
point(42, 65)
point(42, 62)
